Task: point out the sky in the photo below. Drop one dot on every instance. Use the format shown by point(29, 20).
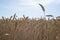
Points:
point(29, 8)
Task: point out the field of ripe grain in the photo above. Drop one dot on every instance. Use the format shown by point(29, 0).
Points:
point(29, 29)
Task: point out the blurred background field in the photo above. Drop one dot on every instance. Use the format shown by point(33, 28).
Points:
point(29, 29)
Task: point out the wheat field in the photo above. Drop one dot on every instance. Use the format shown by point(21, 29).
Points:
point(29, 29)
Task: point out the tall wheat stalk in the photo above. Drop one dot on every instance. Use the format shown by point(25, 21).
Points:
point(42, 8)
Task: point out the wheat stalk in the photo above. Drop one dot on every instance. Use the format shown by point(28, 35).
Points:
point(42, 7)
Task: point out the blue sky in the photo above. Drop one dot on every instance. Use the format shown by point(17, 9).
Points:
point(29, 8)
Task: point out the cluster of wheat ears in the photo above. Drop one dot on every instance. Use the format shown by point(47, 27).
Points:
point(29, 29)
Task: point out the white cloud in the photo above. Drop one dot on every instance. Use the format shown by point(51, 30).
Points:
point(47, 2)
point(44, 2)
